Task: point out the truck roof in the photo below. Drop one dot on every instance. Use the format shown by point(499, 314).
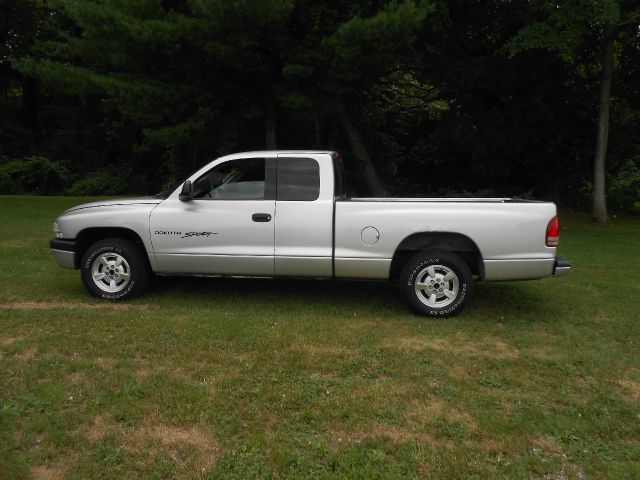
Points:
point(308, 151)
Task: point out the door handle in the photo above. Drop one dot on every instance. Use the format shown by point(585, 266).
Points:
point(261, 217)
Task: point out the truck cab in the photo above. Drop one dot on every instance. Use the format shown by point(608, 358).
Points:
point(256, 213)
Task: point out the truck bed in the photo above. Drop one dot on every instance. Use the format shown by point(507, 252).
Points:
point(508, 233)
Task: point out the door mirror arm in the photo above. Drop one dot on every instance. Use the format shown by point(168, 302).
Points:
point(187, 191)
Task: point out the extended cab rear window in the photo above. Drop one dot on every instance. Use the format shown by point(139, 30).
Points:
point(298, 179)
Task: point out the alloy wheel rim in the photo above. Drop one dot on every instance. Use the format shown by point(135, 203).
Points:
point(110, 272)
point(437, 286)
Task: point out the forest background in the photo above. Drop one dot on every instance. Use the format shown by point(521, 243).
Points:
point(525, 98)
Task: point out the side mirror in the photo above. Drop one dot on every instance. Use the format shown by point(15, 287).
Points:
point(187, 191)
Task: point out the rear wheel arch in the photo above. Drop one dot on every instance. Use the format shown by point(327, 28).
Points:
point(456, 243)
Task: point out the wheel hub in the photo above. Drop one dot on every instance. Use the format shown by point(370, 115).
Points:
point(110, 272)
point(437, 286)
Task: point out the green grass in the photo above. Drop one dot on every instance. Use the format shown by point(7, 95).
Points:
point(231, 378)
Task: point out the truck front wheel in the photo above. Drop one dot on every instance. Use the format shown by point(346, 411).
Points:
point(436, 283)
point(115, 269)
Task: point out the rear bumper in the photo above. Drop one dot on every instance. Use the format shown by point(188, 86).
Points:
point(561, 267)
point(64, 251)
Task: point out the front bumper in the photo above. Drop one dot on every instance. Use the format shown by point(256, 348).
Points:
point(561, 267)
point(64, 251)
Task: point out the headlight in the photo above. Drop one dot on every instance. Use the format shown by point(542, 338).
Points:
point(56, 230)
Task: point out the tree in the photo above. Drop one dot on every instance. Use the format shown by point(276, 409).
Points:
point(568, 28)
point(247, 41)
point(352, 49)
point(365, 51)
point(171, 72)
point(177, 73)
point(20, 22)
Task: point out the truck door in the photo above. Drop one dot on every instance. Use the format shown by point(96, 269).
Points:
point(228, 226)
point(304, 222)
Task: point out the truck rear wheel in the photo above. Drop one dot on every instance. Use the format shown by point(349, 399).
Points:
point(436, 283)
point(115, 269)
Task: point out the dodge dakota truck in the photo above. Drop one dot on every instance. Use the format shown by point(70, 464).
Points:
point(286, 214)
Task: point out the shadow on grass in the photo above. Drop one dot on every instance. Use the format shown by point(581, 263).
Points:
point(491, 300)
point(347, 292)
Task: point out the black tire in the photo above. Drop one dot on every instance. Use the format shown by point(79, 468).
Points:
point(459, 286)
point(133, 269)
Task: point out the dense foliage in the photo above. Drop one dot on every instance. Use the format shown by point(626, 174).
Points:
point(445, 97)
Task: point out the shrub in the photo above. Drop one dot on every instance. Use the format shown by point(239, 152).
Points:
point(106, 181)
point(37, 175)
point(624, 188)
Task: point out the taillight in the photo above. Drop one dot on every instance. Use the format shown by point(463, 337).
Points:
point(553, 232)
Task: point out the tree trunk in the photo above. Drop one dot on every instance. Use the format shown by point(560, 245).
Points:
point(599, 184)
point(270, 124)
point(360, 153)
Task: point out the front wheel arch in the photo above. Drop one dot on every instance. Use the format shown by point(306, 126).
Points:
point(88, 236)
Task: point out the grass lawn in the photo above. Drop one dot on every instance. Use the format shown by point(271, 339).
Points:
point(231, 378)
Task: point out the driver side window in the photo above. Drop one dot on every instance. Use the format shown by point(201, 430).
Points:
point(242, 179)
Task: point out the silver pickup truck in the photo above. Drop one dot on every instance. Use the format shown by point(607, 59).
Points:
point(286, 214)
